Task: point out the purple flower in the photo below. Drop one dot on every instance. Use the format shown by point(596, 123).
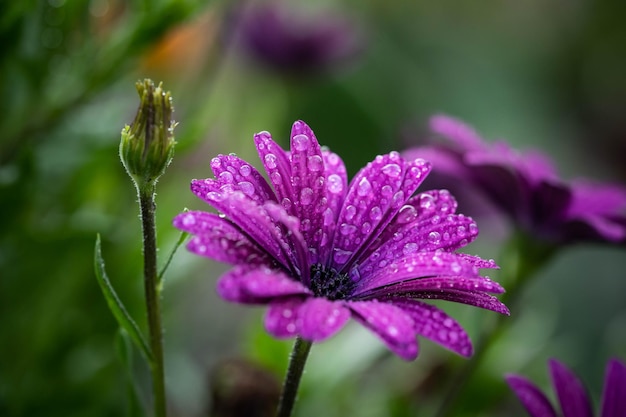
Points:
point(318, 250)
point(572, 396)
point(526, 187)
point(287, 41)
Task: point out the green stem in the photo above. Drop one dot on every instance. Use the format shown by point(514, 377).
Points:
point(153, 300)
point(297, 361)
point(522, 258)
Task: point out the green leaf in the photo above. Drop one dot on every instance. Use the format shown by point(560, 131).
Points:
point(115, 305)
point(181, 239)
point(124, 349)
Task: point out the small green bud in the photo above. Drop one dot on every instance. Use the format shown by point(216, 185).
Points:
point(147, 145)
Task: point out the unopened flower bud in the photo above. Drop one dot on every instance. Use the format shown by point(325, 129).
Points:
point(147, 145)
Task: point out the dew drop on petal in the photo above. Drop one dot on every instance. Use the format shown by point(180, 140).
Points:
point(364, 187)
point(214, 196)
point(473, 229)
point(226, 177)
point(434, 237)
point(409, 248)
point(456, 267)
point(328, 217)
point(406, 214)
point(189, 220)
point(270, 160)
point(247, 188)
point(341, 256)
point(335, 184)
point(392, 170)
point(386, 191)
point(245, 170)
point(350, 212)
point(276, 178)
point(376, 213)
point(366, 228)
point(306, 196)
point(347, 229)
point(291, 327)
point(301, 142)
point(286, 203)
point(314, 163)
point(461, 231)
point(287, 313)
point(426, 201)
point(392, 330)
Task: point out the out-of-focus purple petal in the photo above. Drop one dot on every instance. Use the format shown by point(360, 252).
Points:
point(531, 397)
point(456, 131)
point(390, 323)
point(256, 286)
point(322, 318)
point(442, 159)
point(236, 173)
point(571, 393)
point(282, 319)
point(434, 324)
point(218, 239)
point(614, 395)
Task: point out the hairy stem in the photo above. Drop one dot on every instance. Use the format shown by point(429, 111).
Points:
point(297, 361)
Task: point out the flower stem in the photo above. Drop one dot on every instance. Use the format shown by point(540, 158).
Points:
point(153, 299)
point(297, 361)
point(522, 258)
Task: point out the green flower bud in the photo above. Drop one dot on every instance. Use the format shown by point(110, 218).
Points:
point(147, 145)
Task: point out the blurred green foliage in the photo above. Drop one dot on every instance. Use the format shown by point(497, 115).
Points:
point(543, 74)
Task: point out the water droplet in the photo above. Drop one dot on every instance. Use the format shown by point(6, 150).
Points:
point(226, 177)
point(287, 313)
point(335, 184)
point(386, 191)
point(189, 220)
point(366, 228)
point(314, 163)
point(456, 267)
point(376, 213)
point(306, 196)
point(409, 248)
point(406, 214)
point(347, 229)
point(305, 225)
point(434, 237)
point(393, 331)
point(473, 229)
point(270, 160)
point(301, 142)
point(398, 199)
point(291, 327)
point(382, 263)
point(286, 203)
point(247, 188)
point(276, 178)
point(341, 256)
point(364, 187)
point(227, 188)
point(448, 322)
point(214, 196)
point(245, 170)
point(427, 201)
point(350, 212)
point(436, 219)
point(392, 170)
point(442, 335)
point(329, 217)
point(333, 159)
point(453, 336)
point(460, 231)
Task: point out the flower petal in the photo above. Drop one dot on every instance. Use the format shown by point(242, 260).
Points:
point(219, 239)
point(436, 325)
point(308, 183)
point(278, 168)
point(456, 131)
point(614, 396)
point(336, 183)
point(476, 299)
point(531, 397)
point(282, 317)
point(571, 393)
point(229, 170)
point(390, 323)
point(258, 285)
point(322, 318)
point(374, 197)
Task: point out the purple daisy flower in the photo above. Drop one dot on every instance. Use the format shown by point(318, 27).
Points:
point(319, 250)
point(290, 42)
point(572, 396)
point(526, 187)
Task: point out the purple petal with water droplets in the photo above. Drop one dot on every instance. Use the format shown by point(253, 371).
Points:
point(476, 299)
point(278, 168)
point(533, 400)
point(308, 183)
point(231, 170)
point(412, 265)
point(374, 197)
point(571, 393)
point(322, 318)
point(434, 324)
point(282, 319)
point(336, 183)
point(614, 395)
point(390, 323)
point(219, 239)
point(257, 286)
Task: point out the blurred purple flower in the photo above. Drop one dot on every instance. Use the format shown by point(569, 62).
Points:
point(283, 39)
point(526, 187)
point(318, 250)
point(572, 396)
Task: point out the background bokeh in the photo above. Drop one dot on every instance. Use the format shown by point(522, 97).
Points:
point(545, 74)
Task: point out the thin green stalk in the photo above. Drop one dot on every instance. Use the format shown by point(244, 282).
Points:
point(522, 258)
point(297, 360)
point(153, 299)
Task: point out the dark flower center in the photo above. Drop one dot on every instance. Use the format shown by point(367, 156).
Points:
point(329, 283)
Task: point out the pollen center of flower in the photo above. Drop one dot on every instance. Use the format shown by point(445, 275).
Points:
point(329, 283)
